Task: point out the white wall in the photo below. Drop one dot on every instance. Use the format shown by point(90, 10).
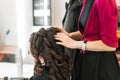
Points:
point(8, 21)
point(58, 11)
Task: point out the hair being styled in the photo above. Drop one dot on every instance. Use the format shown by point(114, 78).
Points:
point(57, 63)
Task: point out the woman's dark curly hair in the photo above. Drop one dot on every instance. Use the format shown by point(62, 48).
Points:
point(57, 62)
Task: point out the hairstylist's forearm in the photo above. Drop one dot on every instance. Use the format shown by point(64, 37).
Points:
point(96, 46)
point(75, 35)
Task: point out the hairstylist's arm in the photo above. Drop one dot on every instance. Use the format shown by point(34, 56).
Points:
point(97, 45)
point(74, 35)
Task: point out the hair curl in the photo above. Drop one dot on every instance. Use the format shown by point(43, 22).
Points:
point(57, 62)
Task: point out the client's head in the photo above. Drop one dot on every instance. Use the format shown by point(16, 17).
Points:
point(49, 57)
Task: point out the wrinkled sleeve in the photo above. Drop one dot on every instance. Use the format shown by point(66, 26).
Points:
point(107, 14)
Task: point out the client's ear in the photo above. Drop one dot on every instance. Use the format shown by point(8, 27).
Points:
point(42, 60)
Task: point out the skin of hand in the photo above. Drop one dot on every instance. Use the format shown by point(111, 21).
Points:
point(62, 30)
point(65, 40)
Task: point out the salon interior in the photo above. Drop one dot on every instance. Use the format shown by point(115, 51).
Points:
point(20, 18)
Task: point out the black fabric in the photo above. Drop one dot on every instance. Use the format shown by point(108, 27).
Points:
point(70, 20)
point(85, 13)
point(96, 66)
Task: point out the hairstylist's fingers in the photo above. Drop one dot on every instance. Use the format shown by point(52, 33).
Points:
point(59, 43)
point(58, 36)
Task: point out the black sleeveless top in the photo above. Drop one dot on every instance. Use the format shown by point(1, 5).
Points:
point(85, 14)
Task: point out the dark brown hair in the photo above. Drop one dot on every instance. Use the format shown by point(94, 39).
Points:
point(57, 62)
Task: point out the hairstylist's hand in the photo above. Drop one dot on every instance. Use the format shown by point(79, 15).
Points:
point(65, 40)
point(62, 30)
